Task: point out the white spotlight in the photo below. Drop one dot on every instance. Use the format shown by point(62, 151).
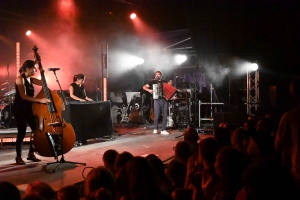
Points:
point(28, 32)
point(133, 16)
point(133, 61)
point(253, 66)
point(180, 59)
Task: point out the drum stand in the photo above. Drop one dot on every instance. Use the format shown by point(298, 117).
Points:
point(62, 159)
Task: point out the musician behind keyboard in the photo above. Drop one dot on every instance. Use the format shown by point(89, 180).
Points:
point(78, 94)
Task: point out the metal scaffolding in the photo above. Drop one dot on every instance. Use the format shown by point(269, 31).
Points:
point(252, 91)
point(213, 101)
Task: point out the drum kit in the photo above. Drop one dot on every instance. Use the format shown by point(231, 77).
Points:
point(7, 119)
point(180, 106)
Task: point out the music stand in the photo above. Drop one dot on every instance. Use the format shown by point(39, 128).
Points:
point(62, 159)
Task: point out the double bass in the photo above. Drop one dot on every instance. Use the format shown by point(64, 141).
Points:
point(52, 136)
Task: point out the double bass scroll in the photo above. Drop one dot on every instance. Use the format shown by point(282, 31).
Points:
point(50, 121)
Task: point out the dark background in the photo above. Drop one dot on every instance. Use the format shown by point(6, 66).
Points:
point(221, 31)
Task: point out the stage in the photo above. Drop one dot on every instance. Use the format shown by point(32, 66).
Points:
point(136, 139)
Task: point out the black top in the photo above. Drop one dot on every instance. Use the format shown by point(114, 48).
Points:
point(29, 90)
point(78, 91)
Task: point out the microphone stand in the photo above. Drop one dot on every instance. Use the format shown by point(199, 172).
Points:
point(62, 159)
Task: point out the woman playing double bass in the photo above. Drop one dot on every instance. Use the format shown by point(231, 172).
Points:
point(22, 107)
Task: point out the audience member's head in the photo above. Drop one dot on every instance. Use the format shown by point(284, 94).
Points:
point(101, 194)
point(9, 191)
point(109, 158)
point(208, 150)
point(240, 139)
point(176, 172)
point(223, 136)
point(191, 136)
point(261, 145)
point(295, 88)
point(269, 180)
point(182, 152)
point(42, 189)
point(151, 156)
point(159, 168)
point(250, 124)
point(121, 160)
point(182, 194)
point(266, 126)
point(230, 163)
point(230, 126)
point(69, 192)
point(100, 177)
point(142, 182)
point(34, 197)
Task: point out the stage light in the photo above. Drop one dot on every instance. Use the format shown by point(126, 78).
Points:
point(132, 16)
point(180, 58)
point(129, 61)
point(253, 66)
point(28, 32)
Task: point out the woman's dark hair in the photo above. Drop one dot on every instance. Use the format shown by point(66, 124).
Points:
point(78, 77)
point(27, 64)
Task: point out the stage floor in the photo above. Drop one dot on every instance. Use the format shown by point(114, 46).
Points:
point(138, 140)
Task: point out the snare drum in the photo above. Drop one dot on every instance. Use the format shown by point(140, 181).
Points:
point(9, 97)
point(7, 119)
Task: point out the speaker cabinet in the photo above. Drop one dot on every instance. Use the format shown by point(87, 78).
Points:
point(229, 117)
point(97, 120)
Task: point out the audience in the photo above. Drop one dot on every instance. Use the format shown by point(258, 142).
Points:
point(176, 172)
point(121, 160)
point(202, 177)
point(182, 194)
point(267, 180)
point(229, 166)
point(223, 136)
point(159, 169)
point(191, 136)
point(182, 152)
point(101, 194)
point(97, 178)
point(287, 141)
point(109, 158)
point(9, 191)
point(40, 189)
point(240, 139)
point(261, 146)
point(215, 168)
point(69, 192)
point(142, 182)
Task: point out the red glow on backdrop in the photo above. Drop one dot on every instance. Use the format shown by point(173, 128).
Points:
point(67, 9)
point(141, 28)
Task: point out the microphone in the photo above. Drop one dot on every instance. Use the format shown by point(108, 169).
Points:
point(178, 77)
point(53, 69)
point(153, 79)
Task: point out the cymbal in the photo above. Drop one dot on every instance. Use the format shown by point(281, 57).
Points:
point(183, 85)
point(5, 83)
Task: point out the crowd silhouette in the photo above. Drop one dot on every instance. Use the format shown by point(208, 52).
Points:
point(257, 160)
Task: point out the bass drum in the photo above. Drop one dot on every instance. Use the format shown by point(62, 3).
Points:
point(7, 119)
